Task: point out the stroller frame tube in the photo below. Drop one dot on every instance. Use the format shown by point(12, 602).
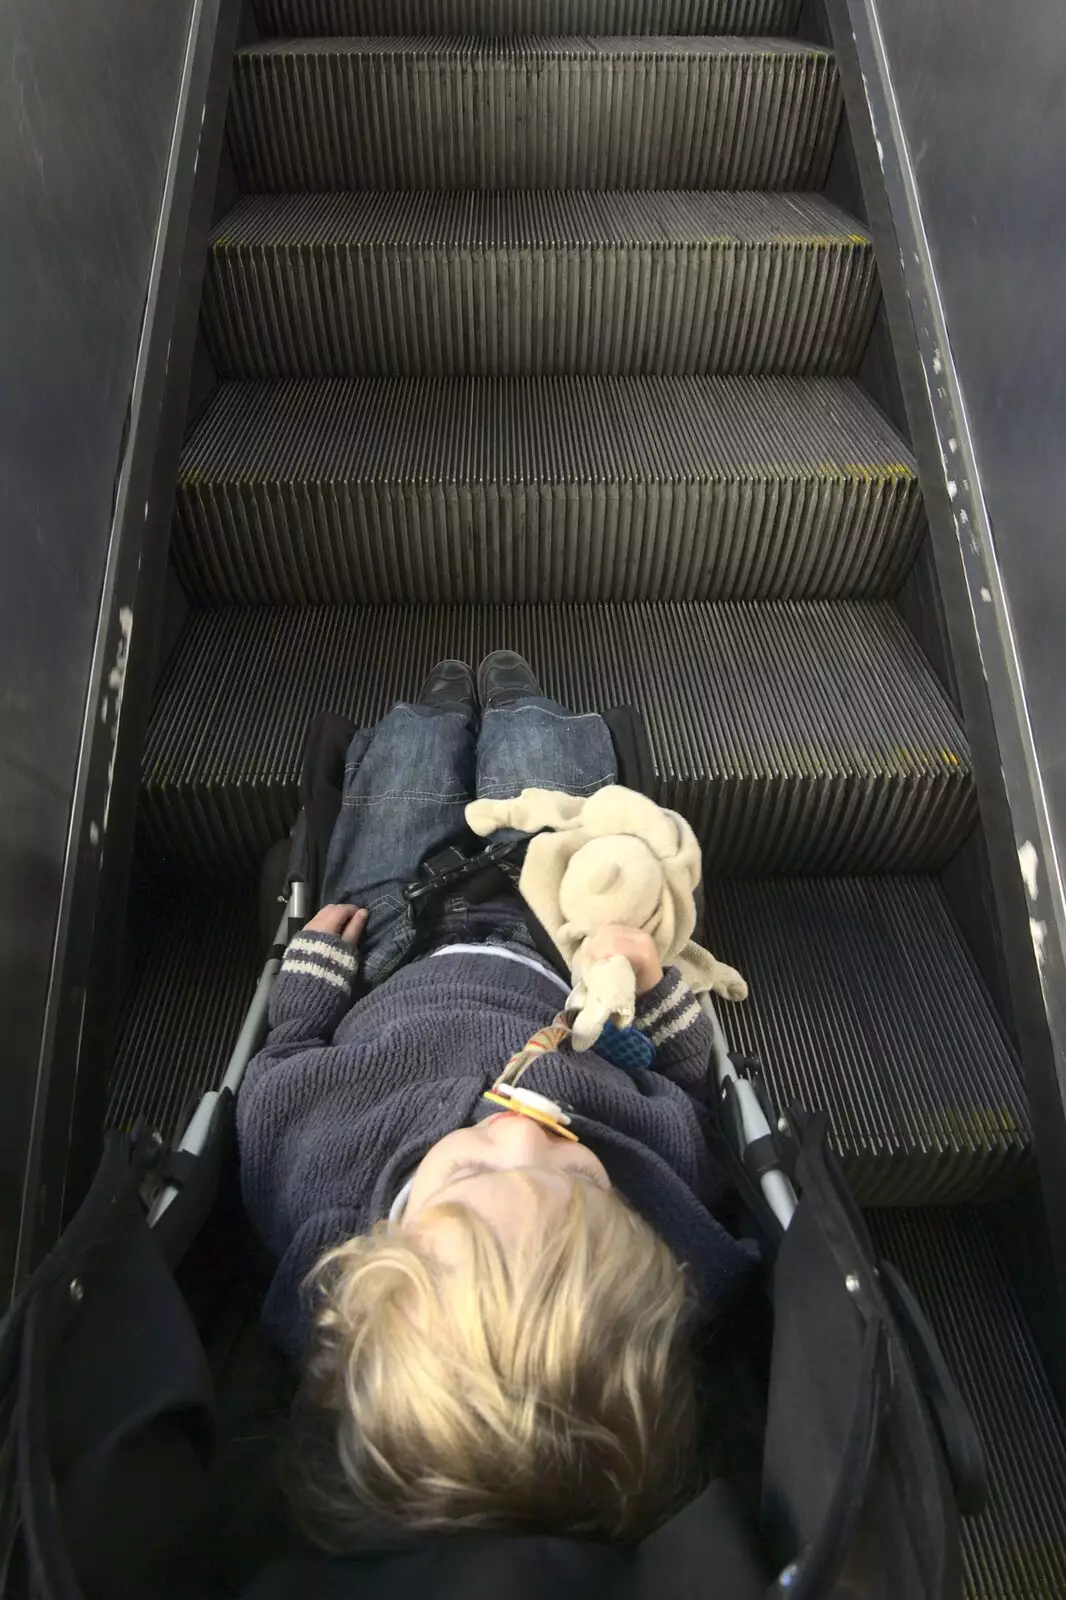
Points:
point(776, 1187)
point(253, 1032)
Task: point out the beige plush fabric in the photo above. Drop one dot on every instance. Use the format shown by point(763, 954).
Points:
point(615, 857)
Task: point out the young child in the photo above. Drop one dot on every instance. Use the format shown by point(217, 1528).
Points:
point(494, 1321)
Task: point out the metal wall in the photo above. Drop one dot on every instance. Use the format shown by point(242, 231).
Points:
point(91, 103)
point(981, 97)
point(958, 111)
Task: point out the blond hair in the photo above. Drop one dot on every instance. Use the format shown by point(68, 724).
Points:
point(547, 1390)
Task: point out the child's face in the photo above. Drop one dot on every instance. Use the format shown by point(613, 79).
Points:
point(487, 1167)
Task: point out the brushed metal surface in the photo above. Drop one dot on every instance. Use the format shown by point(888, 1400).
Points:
point(537, 489)
point(533, 113)
point(440, 283)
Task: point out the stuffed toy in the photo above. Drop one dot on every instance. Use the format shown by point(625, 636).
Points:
point(615, 857)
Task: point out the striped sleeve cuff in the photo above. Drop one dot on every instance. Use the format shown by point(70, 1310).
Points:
point(323, 956)
point(668, 1010)
point(313, 990)
point(673, 1019)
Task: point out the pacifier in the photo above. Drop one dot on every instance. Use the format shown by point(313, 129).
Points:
point(526, 1103)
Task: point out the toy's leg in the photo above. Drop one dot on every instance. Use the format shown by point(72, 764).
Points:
point(728, 982)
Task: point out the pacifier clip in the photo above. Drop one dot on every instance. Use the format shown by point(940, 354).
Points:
point(506, 1092)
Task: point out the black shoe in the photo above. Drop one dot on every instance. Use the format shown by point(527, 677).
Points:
point(450, 685)
point(504, 677)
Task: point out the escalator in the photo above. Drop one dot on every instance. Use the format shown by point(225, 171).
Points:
point(552, 340)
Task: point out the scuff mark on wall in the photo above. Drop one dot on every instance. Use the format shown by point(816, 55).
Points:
point(116, 683)
point(1029, 862)
point(116, 678)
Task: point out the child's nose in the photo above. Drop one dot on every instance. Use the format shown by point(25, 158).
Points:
point(521, 1138)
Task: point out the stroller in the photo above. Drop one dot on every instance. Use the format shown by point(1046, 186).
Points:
point(141, 1401)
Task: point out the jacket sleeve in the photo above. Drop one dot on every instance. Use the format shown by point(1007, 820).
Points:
point(312, 992)
point(672, 1018)
point(288, 1103)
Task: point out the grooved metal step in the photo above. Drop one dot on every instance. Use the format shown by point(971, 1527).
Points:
point(544, 113)
point(1016, 1550)
point(195, 969)
point(296, 18)
point(544, 489)
point(797, 737)
point(865, 1003)
point(337, 285)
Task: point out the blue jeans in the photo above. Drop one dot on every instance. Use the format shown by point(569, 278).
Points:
point(407, 783)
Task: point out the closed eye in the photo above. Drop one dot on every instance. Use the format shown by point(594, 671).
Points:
point(476, 1169)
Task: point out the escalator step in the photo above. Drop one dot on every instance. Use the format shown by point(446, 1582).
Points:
point(545, 113)
point(544, 489)
point(798, 737)
point(1016, 1550)
point(294, 18)
point(189, 987)
point(337, 285)
point(900, 1043)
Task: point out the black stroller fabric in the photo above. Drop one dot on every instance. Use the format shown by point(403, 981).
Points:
point(108, 1404)
point(705, 1553)
point(109, 1425)
point(854, 1474)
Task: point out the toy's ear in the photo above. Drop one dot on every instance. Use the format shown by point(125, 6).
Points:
point(590, 1019)
point(607, 991)
point(676, 918)
point(614, 810)
point(547, 858)
point(686, 863)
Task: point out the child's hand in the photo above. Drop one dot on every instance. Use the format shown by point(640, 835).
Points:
point(343, 922)
point(637, 947)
